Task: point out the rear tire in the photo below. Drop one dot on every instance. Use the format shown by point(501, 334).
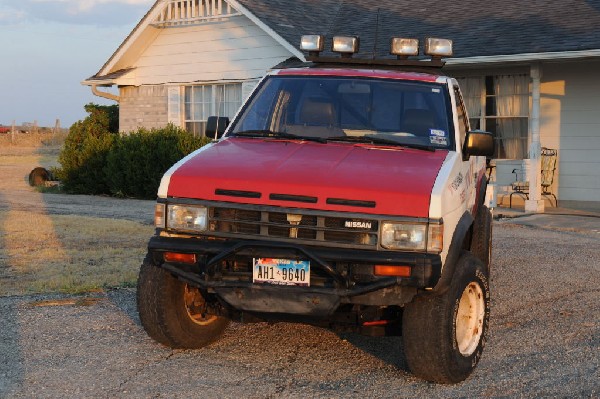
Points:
point(172, 312)
point(444, 335)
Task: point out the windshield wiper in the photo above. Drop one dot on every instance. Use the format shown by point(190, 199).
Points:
point(277, 135)
point(380, 140)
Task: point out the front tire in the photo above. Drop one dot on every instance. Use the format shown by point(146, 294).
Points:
point(444, 334)
point(173, 312)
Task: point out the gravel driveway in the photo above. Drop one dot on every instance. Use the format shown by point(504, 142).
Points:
point(544, 341)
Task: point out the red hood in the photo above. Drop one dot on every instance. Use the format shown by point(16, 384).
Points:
point(388, 180)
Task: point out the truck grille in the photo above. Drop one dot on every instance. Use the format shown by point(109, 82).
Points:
point(322, 229)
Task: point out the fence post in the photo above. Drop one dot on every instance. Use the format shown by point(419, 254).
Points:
point(12, 133)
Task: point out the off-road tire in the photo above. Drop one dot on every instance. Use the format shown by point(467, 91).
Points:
point(436, 347)
point(163, 311)
point(481, 243)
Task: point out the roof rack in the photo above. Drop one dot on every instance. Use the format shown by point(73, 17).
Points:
point(434, 62)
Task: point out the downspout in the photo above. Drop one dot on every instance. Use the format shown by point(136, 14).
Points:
point(104, 94)
point(535, 202)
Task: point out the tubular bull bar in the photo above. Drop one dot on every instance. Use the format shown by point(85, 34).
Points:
point(426, 268)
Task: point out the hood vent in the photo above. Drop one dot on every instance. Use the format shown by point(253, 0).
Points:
point(238, 193)
point(347, 202)
point(294, 198)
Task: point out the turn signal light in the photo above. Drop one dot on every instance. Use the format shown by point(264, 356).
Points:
point(392, 270)
point(176, 257)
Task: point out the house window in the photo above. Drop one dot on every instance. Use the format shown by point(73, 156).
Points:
point(210, 100)
point(500, 104)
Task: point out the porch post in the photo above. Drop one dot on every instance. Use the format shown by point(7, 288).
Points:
point(535, 202)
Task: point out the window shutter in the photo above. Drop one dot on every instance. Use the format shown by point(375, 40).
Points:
point(174, 105)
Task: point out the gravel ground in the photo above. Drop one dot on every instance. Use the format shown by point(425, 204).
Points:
point(544, 341)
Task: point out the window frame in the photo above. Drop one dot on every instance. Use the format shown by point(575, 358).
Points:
point(485, 119)
point(198, 126)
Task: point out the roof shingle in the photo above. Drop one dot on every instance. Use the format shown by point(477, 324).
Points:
point(502, 27)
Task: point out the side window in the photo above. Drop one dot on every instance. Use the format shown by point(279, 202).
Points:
point(463, 123)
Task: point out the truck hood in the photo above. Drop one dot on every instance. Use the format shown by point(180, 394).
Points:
point(344, 177)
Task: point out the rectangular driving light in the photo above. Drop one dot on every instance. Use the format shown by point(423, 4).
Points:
point(346, 45)
point(312, 43)
point(403, 47)
point(437, 47)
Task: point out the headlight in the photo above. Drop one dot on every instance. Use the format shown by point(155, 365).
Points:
point(403, 236)
point(412, 237)
point(187, 218)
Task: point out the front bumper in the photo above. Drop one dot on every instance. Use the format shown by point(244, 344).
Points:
point(337, 275)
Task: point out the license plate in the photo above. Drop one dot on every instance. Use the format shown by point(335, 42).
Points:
point(281, 271)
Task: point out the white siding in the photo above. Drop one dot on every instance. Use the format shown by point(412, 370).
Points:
point(235, 49)
point(571, 123)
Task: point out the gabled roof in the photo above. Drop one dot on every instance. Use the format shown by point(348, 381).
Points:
point(478, 29)
point(131, 46)
point(499, 31)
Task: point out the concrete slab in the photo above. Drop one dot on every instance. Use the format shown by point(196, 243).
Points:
point(575, 223)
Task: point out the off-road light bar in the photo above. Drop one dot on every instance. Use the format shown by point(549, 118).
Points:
point(312, 43)
point(346, 45)
point(437, 47)
point(403, 47)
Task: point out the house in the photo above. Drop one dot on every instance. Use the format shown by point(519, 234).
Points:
point(528, 70)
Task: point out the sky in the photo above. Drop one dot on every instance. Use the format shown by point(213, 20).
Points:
point(47, 47)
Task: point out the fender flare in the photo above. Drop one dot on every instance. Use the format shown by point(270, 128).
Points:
point(456, 247)
point(481, 191)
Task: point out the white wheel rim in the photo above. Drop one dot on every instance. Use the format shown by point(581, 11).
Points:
point(469, 319)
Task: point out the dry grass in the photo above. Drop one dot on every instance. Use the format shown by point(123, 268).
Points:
point(40, 252)
point(68, 253)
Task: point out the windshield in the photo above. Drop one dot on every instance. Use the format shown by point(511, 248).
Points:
point(321, 108)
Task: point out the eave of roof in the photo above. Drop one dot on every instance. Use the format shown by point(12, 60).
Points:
point(522, 58)
point(106, 80)
point(124, 44)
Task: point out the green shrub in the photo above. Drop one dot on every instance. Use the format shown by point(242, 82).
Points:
point(137, 161)
point(84, 153)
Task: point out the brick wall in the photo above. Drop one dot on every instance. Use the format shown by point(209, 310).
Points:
point(143, 106)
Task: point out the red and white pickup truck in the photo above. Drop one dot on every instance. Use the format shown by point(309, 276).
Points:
point(346, 193)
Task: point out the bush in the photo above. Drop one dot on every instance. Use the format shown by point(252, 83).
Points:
point(136, 162)
point(84, 154)
point(95, 159)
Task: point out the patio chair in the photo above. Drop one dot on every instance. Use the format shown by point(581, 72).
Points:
point(521, 186)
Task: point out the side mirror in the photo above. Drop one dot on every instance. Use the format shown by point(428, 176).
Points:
point(479, 143)
point(215, 126)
